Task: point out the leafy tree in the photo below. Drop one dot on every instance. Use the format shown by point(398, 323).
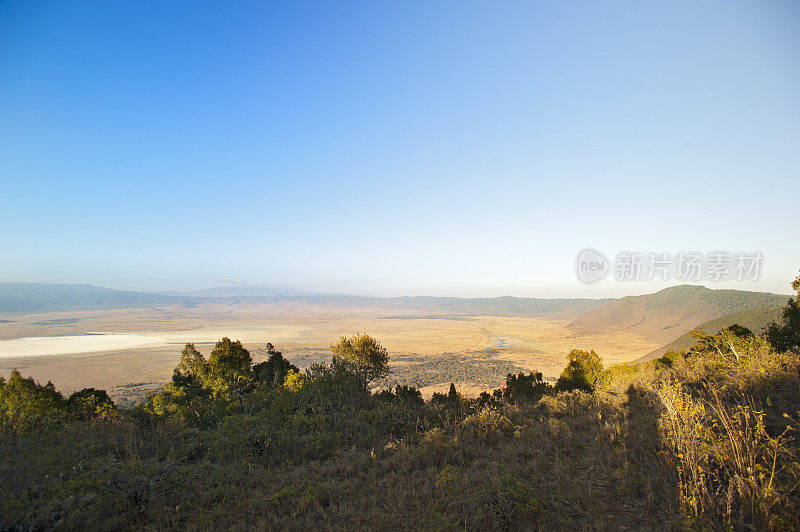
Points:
point(201, 389)
point(450, 398)
point(27, 405)
point(273, 371)
point(159, 404)
point(523, 387)
point(189, 394)
point(91, 403)
point(230, 372)
point(582, 371)
point(786, 335)
point(367, 358)
point(193, 363)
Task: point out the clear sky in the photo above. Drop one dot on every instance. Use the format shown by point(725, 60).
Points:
point(394, 148)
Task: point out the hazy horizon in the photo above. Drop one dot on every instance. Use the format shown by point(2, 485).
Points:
point(633, 289)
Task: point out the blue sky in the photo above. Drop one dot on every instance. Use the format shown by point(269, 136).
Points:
point(446, 148)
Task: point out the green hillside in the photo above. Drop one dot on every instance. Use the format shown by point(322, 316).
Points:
point(756, 320)
point(668, 314)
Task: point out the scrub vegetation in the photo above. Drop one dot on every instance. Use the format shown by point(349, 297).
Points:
point(702, 438)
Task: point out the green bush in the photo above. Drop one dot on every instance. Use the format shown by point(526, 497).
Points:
point(786, 334)
point(582, 372)
point(90, 403)
point(488, 425)
point(273, 371)
point(525, 388)
point(26, 405)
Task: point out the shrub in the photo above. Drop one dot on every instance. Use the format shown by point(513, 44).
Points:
point(273, 371)
point(570, 403)
point(786, 334)
point(27, 405)
point(582, 372)
point(409, 395)
point(90, 403)
point(729, 342)
point(525, 388)
point(334, 387)
point(669, 360)
point(294, 380)
point(487, 425)
point(404, 394)
point(439, 399)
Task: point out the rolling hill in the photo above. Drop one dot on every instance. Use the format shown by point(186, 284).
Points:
point(672, 312)
point(17, 298)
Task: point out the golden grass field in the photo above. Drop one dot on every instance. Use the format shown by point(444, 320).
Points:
point(145, 344)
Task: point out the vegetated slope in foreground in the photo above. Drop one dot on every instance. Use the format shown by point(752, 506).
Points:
point(701, 439)
point(666, 315)
point(756, 320)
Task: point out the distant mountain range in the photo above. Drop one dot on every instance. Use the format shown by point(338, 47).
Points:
point(672, 312)
point(39, 297)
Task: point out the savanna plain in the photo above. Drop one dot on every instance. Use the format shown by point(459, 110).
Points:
point(131, 352)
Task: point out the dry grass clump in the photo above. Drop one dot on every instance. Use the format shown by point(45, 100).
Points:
point(488, 425)
point(730, 468)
